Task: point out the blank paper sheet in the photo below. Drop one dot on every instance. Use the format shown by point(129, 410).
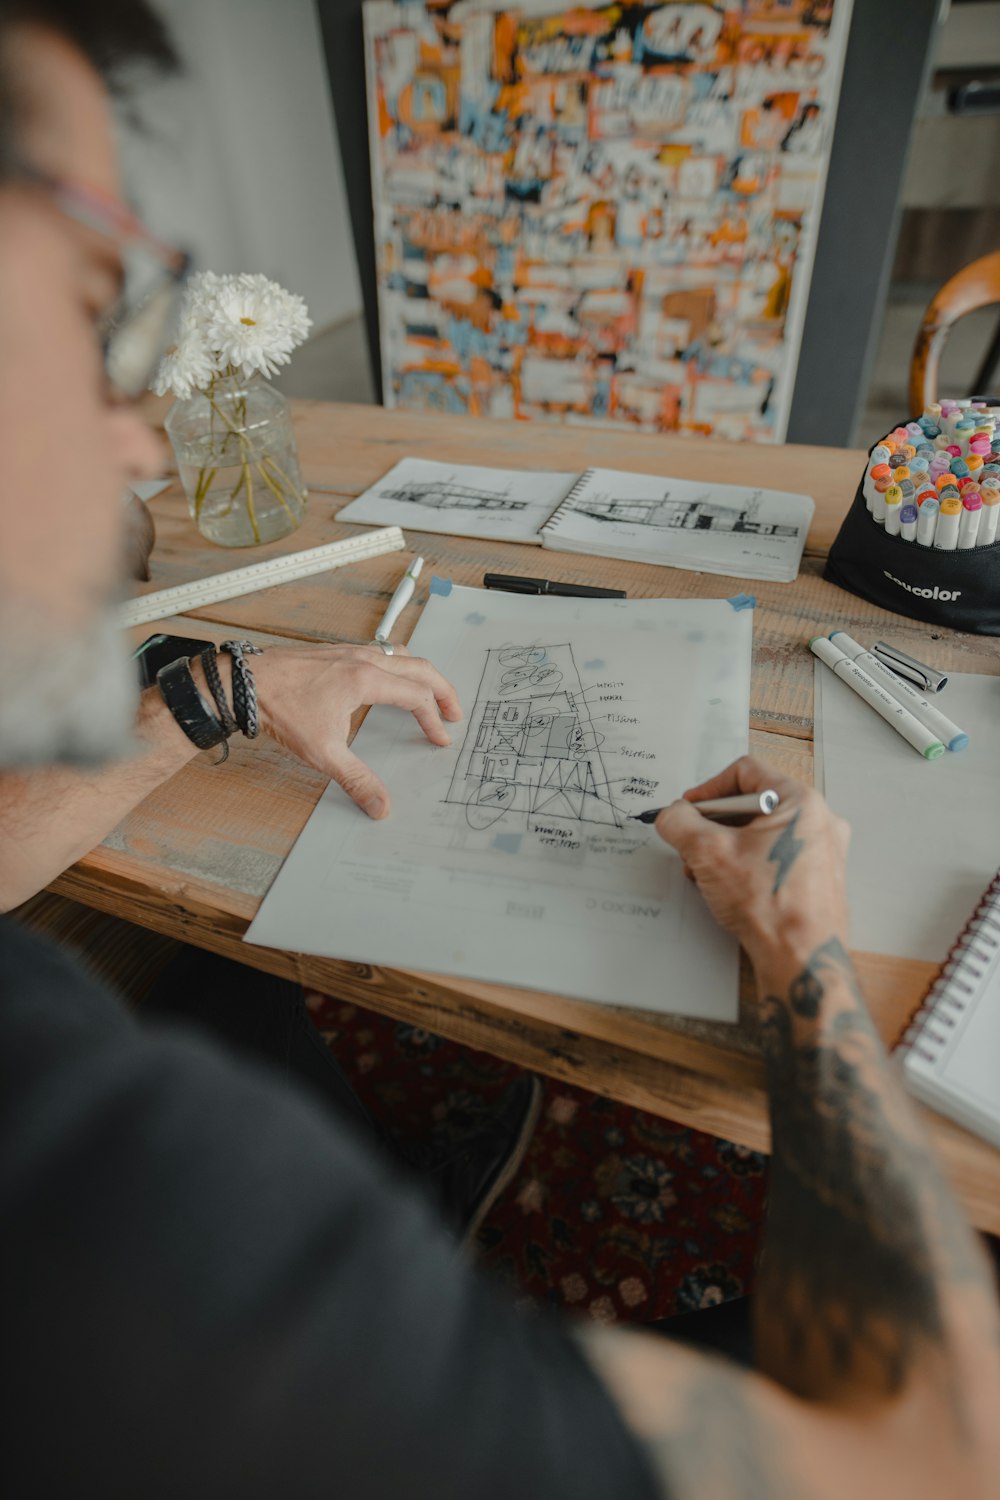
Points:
point(925, 835)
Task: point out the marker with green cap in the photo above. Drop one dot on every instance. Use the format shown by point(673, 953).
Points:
point(884, 704)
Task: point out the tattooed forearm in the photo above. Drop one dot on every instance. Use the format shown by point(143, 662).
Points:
point(697, 1419)
point(784, 852)
point(861, 1231)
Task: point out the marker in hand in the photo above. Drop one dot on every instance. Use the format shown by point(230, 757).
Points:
point(733, 810)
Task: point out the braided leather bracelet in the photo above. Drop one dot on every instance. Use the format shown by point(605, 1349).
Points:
point(244, 687)
point(180, 693)
point(209, 665)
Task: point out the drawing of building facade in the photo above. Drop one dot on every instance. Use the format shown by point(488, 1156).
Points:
point(447, 495)
point(682, 515)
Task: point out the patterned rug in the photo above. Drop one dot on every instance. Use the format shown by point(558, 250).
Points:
point(614, 1212)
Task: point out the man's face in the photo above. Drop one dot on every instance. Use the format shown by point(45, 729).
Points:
point(66, 451)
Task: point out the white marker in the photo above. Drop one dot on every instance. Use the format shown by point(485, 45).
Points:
point(908, 522)
point(883, 702)
point(969, 521)
point(990, 518)
point(927, 522)
point(400, 599)
point(946, 535)
point(893, 507)
point(931, 717)
point(878, 504)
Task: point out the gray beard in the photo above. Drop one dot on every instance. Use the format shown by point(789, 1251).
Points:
point(65, 695)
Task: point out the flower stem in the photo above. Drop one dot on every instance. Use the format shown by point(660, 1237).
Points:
point(276, 491)
point(235, 490)
point(250, 510)
point(205, 477)
point(272, 463)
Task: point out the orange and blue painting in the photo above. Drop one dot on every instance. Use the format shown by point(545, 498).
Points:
point(600, 213)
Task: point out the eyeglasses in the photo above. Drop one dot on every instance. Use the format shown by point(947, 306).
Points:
point(136, 332)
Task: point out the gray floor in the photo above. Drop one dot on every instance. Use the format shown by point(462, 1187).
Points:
point(333, 364)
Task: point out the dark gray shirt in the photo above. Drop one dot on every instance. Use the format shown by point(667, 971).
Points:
point(208, 1288)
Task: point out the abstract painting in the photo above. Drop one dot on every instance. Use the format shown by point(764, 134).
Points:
point(600, 213)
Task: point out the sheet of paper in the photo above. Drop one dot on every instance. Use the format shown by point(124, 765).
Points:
point(501, 504)
point(509, 856)
point(925, 835)
point(148, 489)
point(709, 528)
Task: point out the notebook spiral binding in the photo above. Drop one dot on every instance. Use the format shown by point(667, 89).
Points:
point(949, 995)
point(567, 502)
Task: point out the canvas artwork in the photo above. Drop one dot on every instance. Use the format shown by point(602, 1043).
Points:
point(600, 213)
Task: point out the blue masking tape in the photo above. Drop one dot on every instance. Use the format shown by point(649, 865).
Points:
point(743, 601)
point(440, 585)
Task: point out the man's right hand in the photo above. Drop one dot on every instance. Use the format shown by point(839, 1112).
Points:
point(777, 883)
point(308, 695)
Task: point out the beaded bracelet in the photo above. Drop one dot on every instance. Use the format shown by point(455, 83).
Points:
point(244, 687)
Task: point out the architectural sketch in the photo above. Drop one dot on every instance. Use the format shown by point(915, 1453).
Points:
point(683, 515)
point(531, 747)
point(443, 494)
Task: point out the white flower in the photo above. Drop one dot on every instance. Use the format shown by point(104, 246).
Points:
point(188, 365)
point(199, 297)
point(253, 324)
point(240, 324)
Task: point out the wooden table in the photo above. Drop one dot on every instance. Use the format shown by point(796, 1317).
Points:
point(195, 859)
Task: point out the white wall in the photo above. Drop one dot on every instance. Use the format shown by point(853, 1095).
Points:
point(237, 159)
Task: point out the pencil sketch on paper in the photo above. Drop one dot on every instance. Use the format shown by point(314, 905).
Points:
point(699, 514)
point(531, 747)
point(445, 494)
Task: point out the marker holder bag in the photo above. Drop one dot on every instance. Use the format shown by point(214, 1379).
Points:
point(959, 589)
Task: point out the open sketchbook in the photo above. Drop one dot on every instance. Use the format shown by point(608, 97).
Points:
point(510, 855)
point(679, 523)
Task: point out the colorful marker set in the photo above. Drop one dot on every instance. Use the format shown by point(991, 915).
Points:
point(936, 481)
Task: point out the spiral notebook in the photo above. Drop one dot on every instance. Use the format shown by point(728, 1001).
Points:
point(951, 1049)
point(679, 523)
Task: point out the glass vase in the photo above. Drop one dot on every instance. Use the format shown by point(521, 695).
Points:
point(238, 461)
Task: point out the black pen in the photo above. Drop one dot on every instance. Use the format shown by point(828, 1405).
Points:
point(723, 809)
point(513, 585)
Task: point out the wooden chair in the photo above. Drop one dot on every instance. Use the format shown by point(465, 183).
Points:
point(976, 285)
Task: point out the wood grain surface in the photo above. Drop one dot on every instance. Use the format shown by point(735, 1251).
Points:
point(196, 857)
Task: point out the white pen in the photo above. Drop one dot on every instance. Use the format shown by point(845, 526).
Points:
point(400, 599)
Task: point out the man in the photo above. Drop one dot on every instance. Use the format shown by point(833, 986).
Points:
point(209, 1289)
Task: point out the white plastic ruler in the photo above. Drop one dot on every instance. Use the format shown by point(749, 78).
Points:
point(263, 575)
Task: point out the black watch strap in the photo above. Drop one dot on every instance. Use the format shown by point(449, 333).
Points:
point(181, 695)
